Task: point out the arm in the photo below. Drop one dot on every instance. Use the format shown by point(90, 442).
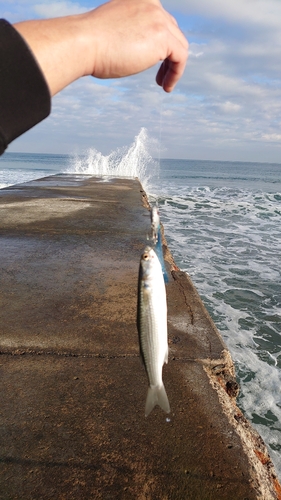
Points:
point(119, 38)
point(41, 57)
point(24, 94)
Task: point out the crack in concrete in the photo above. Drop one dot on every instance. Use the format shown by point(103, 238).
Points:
point(31, 352)
point(175, 278)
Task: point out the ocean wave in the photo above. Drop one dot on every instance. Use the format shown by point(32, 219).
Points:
point(228, 240)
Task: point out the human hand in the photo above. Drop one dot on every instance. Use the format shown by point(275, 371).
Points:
point(130, 36)
point(117, 39)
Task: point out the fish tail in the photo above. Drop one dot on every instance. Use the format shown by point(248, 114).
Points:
point(156, 396)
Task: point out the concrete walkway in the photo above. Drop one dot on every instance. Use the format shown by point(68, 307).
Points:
point(73, 387)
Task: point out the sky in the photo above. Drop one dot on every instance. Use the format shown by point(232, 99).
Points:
point(227, 105)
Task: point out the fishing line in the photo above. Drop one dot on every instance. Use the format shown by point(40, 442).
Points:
point(160, 129)
point(161, 97)
point(158, 143)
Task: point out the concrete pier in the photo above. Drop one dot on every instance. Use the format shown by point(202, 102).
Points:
point(73, 387)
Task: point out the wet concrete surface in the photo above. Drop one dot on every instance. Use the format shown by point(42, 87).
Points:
point(73, 387)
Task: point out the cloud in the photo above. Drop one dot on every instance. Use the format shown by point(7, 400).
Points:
point(227, 105)
point(20, 10)
point(272, 137)
point(193, 53)
point(262, 12)
point(57, 9)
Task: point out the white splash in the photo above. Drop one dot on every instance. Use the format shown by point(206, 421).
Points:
point(132, 161)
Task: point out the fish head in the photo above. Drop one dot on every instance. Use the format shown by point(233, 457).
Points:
point(149, 264)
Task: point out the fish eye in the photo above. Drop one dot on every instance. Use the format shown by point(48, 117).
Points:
point(145, 256)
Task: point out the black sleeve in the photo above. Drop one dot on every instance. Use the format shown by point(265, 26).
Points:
point(24, 94)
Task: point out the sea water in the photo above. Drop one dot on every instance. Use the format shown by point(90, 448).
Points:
point(222, 222)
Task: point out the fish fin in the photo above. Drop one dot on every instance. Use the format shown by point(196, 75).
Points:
point(165, 276)
point(166, 355)
point(156, 396)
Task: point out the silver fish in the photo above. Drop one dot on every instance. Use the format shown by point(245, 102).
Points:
point(155, 223)
point(157, 239)
point(152, 327)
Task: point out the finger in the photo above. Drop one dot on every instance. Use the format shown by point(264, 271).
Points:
point(173, 19)
point(171, 70)
point(176, 31)
point(174, 64)
point(172, 76)
point(161, 73)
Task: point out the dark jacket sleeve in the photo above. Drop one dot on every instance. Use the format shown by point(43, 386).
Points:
point(24, 94)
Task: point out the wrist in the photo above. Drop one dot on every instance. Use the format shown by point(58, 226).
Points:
point(59, 46)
